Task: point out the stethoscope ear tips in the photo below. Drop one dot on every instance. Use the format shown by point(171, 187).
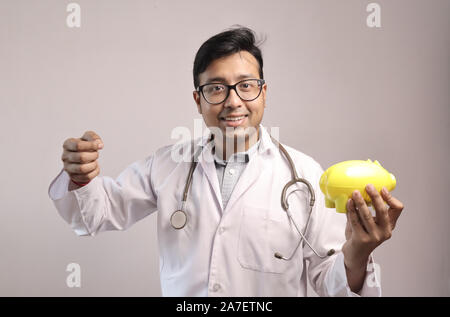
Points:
point(278, 256)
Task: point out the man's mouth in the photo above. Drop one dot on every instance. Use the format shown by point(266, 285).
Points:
point(234, 120)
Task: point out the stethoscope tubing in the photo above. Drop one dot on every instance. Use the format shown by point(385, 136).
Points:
point(284, 201)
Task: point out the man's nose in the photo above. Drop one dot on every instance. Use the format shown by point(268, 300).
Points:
point(233, 100)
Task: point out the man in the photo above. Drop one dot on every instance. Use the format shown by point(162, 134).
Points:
point(231, 223)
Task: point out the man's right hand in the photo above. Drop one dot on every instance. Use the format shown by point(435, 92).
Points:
point(80, 158)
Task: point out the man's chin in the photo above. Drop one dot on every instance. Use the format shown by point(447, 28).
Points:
point(233, 132)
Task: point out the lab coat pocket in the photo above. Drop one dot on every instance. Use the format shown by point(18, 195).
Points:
point(260, 236)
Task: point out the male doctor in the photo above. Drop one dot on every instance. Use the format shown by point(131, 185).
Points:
point(234, 222)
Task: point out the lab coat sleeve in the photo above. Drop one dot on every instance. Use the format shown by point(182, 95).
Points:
point(327, 231)
point(106, 204)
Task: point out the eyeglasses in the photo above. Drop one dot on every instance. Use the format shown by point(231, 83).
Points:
point(247, 90)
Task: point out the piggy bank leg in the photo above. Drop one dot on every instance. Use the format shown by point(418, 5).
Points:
point(341, 204)
point(329, 203)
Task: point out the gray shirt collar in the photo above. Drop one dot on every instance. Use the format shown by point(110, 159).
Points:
point(243, 157)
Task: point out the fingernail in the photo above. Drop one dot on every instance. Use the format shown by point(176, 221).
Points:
point(384, 190)
point(371, 188)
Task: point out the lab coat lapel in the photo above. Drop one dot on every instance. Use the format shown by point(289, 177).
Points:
point(206, 162)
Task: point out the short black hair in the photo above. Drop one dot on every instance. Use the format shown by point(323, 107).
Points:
point(223, 44)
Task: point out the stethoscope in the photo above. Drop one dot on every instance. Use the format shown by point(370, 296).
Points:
point(179, 217)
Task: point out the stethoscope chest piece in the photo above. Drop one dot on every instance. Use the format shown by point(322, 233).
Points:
point(178, 219)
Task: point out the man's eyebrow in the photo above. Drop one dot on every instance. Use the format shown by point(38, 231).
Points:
point(222, 80)
point(244, 76)
point(215, 79)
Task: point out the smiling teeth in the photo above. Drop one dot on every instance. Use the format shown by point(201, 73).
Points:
point(235, 118)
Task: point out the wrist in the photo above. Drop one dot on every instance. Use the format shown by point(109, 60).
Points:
point(355, 264)
point(354, 259)
point(79, 183)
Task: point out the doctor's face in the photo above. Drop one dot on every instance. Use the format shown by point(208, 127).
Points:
point(233, 113)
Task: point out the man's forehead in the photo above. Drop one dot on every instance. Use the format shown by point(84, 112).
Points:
point(235, 66)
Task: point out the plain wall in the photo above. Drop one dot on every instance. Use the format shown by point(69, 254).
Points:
point(337, 89)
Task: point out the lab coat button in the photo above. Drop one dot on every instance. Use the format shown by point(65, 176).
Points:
point(221, 230)
point(231, 171)
point(216, 287)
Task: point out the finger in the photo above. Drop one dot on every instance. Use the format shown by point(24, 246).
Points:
point(92, 136)
point(395, 206)
point(364, 212)
point(382, 217)
point(352, 217)
point(348, 226)
point(77, 169)
point(78, 145)
point(86, 178)
point(79, 157)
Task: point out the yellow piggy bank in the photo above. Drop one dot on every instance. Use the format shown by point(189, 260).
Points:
point(340, 180)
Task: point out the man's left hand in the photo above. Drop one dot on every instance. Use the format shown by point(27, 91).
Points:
point(363, 231)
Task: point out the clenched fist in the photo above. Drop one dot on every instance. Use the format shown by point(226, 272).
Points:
point(80, 158)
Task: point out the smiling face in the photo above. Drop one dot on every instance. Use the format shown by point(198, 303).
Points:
point(233, 115)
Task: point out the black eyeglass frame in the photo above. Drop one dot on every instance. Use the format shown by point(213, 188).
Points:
point(261, 83)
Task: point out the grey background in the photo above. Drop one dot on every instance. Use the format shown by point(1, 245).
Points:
point(337, 89)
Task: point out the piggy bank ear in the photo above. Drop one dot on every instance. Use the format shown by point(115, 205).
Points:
point(378, 163)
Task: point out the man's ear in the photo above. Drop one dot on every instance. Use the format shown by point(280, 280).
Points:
point(196, 96)
point(264, 91)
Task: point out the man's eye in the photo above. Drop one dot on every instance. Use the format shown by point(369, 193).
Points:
point(245, 86)
point(214, 89)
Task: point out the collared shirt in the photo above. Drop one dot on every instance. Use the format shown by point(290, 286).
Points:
point(221, 251)
point(228, 172)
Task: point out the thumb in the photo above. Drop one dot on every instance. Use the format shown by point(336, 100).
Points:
point(93, 137)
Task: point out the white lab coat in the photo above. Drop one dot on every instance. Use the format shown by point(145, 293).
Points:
point(220, 252)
